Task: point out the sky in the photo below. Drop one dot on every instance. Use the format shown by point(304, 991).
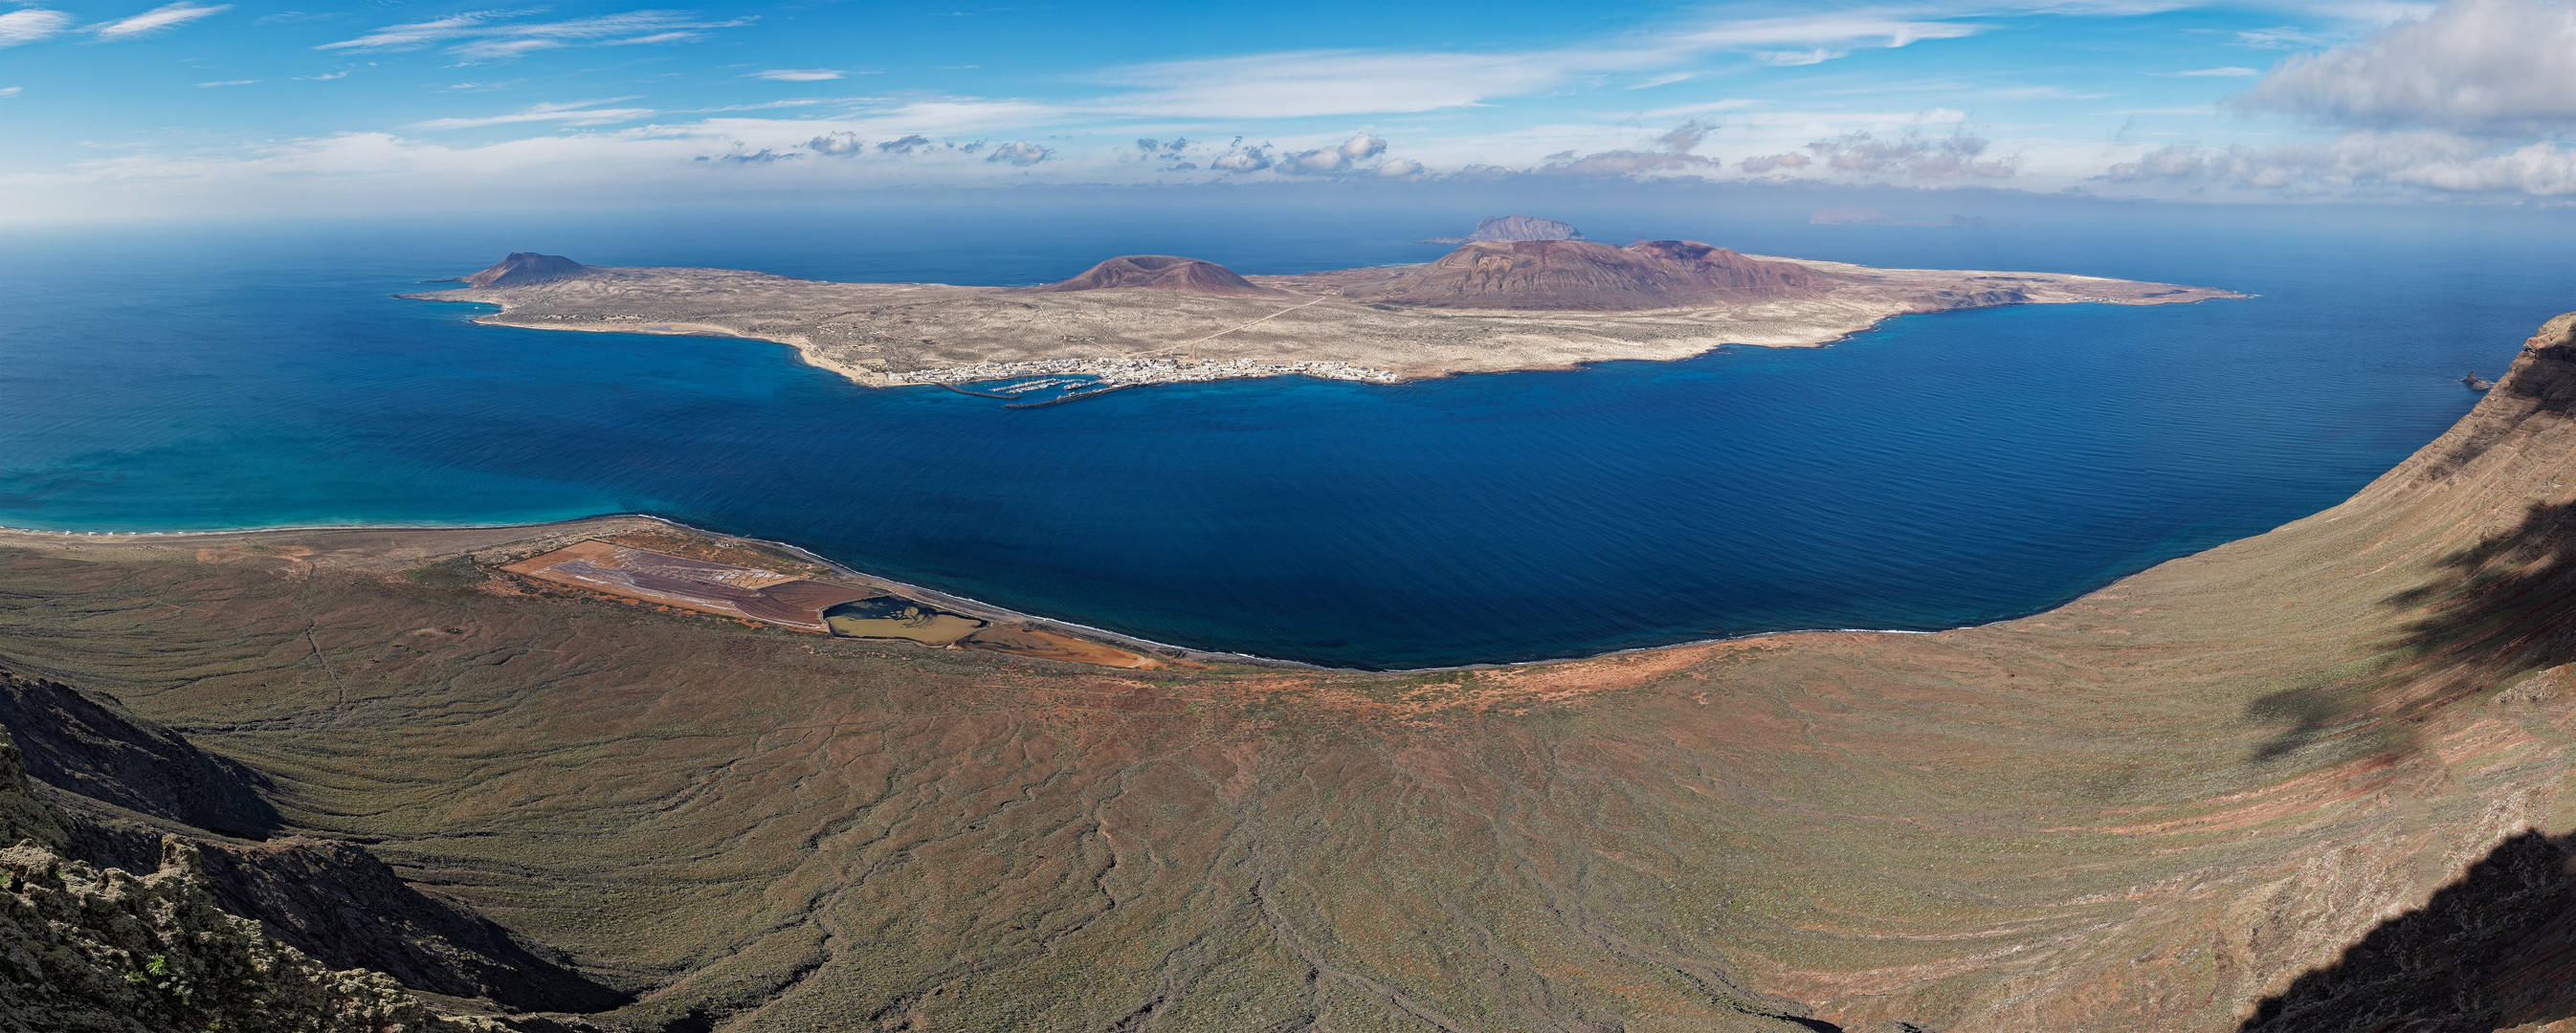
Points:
point(122, 108)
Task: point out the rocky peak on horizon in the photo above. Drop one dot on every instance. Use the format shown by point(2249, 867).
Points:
point(1514, 228)
point(1160, 272)
point(527, 267)
point(1589, 275)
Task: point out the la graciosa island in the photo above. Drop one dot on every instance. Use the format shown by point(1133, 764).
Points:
point(1489, 306)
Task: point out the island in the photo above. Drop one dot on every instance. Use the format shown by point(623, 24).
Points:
point(1488, 306)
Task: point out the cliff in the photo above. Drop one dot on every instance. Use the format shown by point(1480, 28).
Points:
point(113, 952)
point(110, 775)
point(83, 746)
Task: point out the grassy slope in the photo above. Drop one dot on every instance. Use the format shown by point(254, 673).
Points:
point(2142, 811)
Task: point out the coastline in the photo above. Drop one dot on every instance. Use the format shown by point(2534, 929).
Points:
point(530, 535)
point(890, 335)
point(1134, 372)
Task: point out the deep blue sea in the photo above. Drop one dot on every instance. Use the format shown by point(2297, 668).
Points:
point(1943, 470)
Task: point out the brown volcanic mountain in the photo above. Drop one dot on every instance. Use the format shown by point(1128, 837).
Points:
point(1161, 272)
point(1582, 275)
point(527, 267)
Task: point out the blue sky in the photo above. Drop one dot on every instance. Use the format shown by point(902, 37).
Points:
point(134, 108)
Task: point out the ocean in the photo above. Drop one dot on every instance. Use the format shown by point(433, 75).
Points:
point(1940, 471)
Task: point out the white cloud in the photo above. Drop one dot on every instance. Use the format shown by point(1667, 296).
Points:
point(1912, 154)
point(771, 105)
point(30, 25)
point(1629, 163)
point(226, 82)
point(837, 145)
point(1349, 156)
point(1352, 82)
point(1019, 152)
point(1820, 36)
point(156, 19)
point(1685, 137)
point(577, 113)
point(1666, 79)
point(1242, 159)
point(2041, 93)
point(1705, 107)
point(1308, 84)
point(485, 35)
point(2414, 160)
point(11, 91)
point(797, 74)
point(2278, 37)
point(1320, 161)
point(1774, 162)
point(2475, 65)
point(2230, 72)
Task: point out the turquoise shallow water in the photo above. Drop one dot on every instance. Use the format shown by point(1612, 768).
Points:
point(1944, 470)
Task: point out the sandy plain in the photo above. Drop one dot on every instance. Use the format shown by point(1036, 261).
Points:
point(1321, 324)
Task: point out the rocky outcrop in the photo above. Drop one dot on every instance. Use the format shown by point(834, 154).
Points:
point(1581, 275)
point(82, 745)
point(334, 901)
point(23, 817)
point(88, 949)
point(339, 902)
point(1515, 227)
point(527, 267)
point(1160, 272)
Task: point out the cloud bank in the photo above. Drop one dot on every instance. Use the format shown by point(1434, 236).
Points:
point(2488, 66)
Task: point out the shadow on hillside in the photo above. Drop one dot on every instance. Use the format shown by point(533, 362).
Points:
point(2490, 612)
point(2494, 950)
point(2503, 606)
point(2310, 711)
point(92, 746)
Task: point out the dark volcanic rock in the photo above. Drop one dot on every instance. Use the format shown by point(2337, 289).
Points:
point(526, 267)
point(81, 745)
point(334, 901)
point(128, 951)
point(23, 816)
point(1515, 227)
point(1584, 275)
point(1160, 272)
point(340, 903)
point(2496, 949)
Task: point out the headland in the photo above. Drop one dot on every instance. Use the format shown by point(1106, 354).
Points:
point(1489, 306)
